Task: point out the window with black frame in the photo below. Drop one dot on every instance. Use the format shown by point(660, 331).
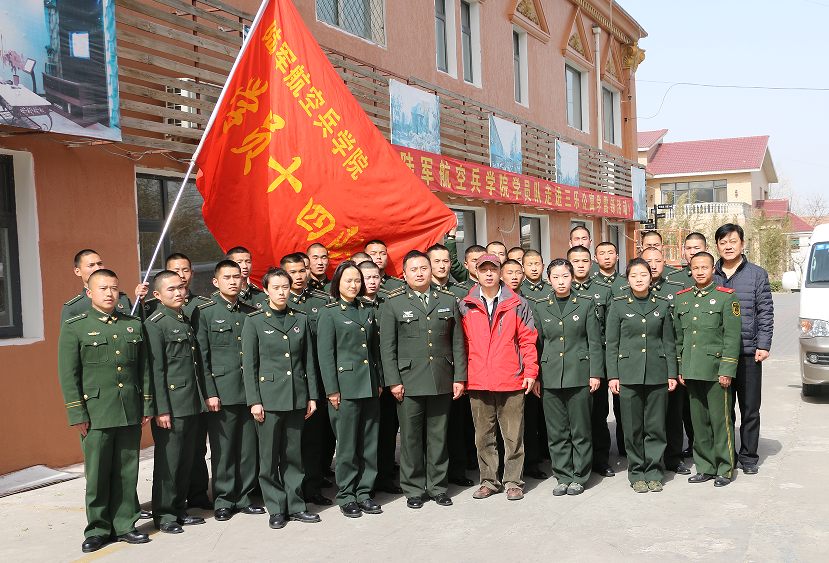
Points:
point(188, 234)
point(11, 317)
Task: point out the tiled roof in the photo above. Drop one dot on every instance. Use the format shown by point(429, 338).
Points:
point(799, 225)
point(713, 155)
point(648, 138)
point(779, 208)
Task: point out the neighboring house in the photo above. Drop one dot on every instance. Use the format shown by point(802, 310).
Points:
point(798, 231)
point(721, 176)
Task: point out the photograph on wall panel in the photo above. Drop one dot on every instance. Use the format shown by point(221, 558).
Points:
point(504, 145)
point(567, 164)
point(415, 118)
point(640, 205)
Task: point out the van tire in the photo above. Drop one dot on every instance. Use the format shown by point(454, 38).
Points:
point(810, 390)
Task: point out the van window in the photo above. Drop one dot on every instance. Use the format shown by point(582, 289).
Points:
point(819, 266)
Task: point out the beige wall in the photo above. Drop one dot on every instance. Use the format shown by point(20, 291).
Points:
point(742, 182)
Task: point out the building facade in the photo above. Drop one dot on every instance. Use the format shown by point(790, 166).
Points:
point(560, 71)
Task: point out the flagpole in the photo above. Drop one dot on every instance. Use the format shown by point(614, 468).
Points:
point(199, 147)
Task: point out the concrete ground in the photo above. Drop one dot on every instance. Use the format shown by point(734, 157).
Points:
point(782, 514)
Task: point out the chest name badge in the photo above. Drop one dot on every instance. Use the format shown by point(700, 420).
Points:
point(296, 329)
point(575, 317)
point(408, 314)
point(713, 301)
point(269, 332)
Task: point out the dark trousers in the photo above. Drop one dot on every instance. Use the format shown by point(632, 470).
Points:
point(313, 440)
point(598, 424)
point(356, 424)
point(280, 461)
point(233, 446)
point(532, 453)
point(424, 458)
point(387, 439)
point(199, 477)
point(711, 407)
point(456, 436)
point(567, 412)
point(172, 463)
point(620, 429)
point(747, 386)
point(643, 418)
point(111, 470)
point(674, 435)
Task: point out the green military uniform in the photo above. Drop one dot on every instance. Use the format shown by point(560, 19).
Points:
point(252, 295)
point(105, 378)
point(171, 343)
point(669, 270)
point(678, 397)
point(321, 286)
point(232, 430)
point(570, 353)
point(389, 424)
point(708, 330)
point(423, 349)
point(348, 348)
point(682, 276)
point(457, 289)
point(317, 437)
point(456, 268)
point(640, 354)
point(81, 303)
point(390, 283)
point(616, 281)
point(279, 374)
point(540, 289)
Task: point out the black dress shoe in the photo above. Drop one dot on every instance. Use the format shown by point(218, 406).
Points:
point(204, 504)
point(171, 528)
point(92, 543)
point(680, 469)
point(145, 515)
point(326, 484)
point(443, 500)
point(700, 478)
point(604, 469)
point(320, 500)
point(721, 481)
point(351, 510)
point(414, 502)
point(277, 521)
point(328, 472)
point(370, 507)
point(536, 473)
point(133, 537)
point(251, 509)
point(223, 514)
point(688, 452)
point(461, 481)
point(750, 468)
point(304, 517)
point(389, 488)
point(188, 520)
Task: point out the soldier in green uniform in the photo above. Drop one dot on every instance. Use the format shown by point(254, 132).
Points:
point(218, 325)
point(171, 343)
point(107, 388)
point(579, 257)
point(387, 433)
point(580, 236)
point(379, 254)
point(653, 239)
point(571, 364)
point(461, 430)
point(424, 363)
point(708, 328)
point(534, 284)
point(516, 253)
point(88, 261)
point(316, 433)
point(280, 384)
point(318, 258)
point(641, 320)
point(677, 397)
point(348, 347)
point(248, 292)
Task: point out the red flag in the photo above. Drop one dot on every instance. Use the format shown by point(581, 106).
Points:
point(291, 159)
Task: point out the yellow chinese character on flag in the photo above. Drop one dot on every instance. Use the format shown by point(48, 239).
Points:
point(256, 142)
point(286, 174)
point(343, 143)
point(296, 79)
point(315, 219)
point(313, 100)
point(246, 99)
point(283, 58)
point(356, 163)
point(327, 122)
point(272, 37)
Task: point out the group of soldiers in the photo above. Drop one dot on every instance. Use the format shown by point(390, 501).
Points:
point(252, 369)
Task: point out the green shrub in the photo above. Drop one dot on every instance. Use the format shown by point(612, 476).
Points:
point(776, 286)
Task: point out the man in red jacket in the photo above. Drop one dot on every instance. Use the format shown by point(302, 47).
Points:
point(503, 365)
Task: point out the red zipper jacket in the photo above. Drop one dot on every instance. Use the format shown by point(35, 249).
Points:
point(503, 354)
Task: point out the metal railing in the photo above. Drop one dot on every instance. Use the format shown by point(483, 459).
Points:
point(725, 208)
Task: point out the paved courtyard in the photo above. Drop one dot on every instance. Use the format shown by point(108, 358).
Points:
point(782, 514)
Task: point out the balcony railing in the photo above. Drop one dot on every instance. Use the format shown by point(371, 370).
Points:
point(738, 209)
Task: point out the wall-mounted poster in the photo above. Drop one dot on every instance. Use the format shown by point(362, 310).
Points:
point(567, 164)
point(504, 144)
point(415, 118)
point(59, 67)
point(637, 185)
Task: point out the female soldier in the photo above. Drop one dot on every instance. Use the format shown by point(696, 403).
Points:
point(280, 379)
point(348, 344)
point(571, 367)
point(641, 359)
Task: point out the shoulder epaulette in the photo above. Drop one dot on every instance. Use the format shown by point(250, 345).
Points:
point(684, 290)
point(585, 296)
point(319, 294)
point(725, 289)
point(446, 292)
point(208, 304)
point(215, 292)
point(597, 281)
point(122, 294)
point(157, 316)
point(74, 299)
point(660, 297)
point(672, 282)
point(73, 319)
point(396, 292)
point(334, 304)
point(625, 296)
point(242, 304)
point(202, 298)
point(297, 311)
point(256, 312)
point(624, 287)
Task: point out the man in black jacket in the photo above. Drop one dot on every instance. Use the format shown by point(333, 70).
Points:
point(751, 284)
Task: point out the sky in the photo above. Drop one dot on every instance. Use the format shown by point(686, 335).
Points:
point(737, 42)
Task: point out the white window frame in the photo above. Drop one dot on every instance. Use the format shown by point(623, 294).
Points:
point(617, 115)
point(523, 66)
point(369, 40)
point(28, 244)
point(451, 41)
point(621, 247)
point(544, 234)
point(585, 95)
point(480, 219)
point(475, 31)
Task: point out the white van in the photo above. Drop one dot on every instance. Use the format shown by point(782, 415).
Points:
point(814, 315)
